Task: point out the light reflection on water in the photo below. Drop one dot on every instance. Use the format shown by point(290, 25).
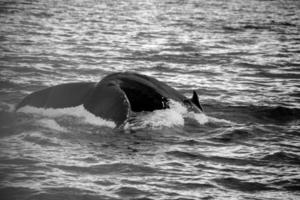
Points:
point(240, 56)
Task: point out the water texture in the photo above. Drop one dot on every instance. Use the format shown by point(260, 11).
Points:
point(242, 57)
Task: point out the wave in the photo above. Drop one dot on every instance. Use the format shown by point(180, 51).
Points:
point(233, 135)
point(259, 26)
point(125, 191)
point(113, 168)
point(291, 184)
point(19, 161)
point(51, 124)
point(278, 113)
point(282, 157)
point(218, 159)
point(62, 192)
point(257, 113)
point(241, 185)
point(41, 139)
point(17, 192)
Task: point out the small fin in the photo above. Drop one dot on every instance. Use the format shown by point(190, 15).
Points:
point(109, 102)
point(195, 100)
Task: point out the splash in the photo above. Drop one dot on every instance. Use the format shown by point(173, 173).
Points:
point(162, 118)
point(201, 118)
point(51, 124)
point(173, 116)
point(78, 111)
point(220, 121)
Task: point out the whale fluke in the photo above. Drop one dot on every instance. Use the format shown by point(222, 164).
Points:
point(59, 96)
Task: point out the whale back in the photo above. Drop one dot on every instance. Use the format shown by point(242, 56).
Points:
point(147, 94)
point(144, 93)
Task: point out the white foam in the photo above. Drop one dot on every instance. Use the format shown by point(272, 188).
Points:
point(201, 118)
point(178, 107)
point(158, 118)
point(162, 118)
point(173, 116)
point(78, 111)
point(219, 121)
point(52, 124)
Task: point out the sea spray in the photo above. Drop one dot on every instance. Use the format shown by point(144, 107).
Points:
point(173, 116)
point(52, 124)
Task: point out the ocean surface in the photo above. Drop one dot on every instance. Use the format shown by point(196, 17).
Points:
point(242, 57)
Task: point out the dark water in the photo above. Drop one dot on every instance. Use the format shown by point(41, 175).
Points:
point(242, 57)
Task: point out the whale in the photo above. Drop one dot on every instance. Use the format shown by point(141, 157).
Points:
point(116, 97)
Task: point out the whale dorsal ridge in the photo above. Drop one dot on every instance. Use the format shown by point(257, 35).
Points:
point(195, 100)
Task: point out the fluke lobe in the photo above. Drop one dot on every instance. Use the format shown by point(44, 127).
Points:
point(115, 97)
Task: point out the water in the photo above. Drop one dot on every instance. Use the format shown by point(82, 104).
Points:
point(242, 57)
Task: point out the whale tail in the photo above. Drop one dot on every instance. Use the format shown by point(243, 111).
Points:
point(107, 101)
point(116, 97)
